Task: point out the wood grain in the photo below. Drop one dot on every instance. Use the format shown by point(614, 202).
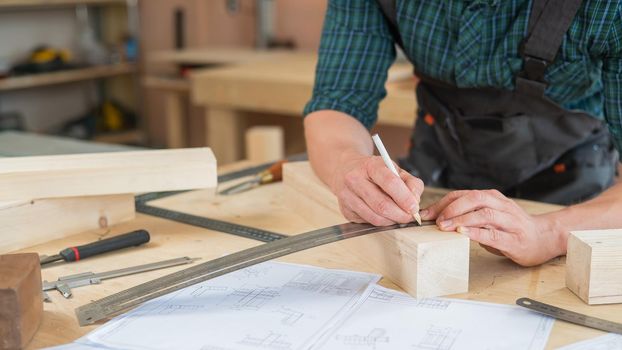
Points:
point(594, 266)
point(106, 173)
point(21, 305)
point(28, 223)
point(492, 278)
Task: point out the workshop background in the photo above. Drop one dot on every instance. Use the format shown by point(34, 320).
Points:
point(173, 73)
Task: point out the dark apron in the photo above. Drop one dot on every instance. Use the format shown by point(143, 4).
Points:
point(519, 142)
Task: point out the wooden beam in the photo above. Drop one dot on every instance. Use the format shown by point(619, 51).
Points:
point(424, 261)
point(28, 223)
point(265, 143)
point(594, 266)
point(25, 178)
point(224, 133)
point(21, 305)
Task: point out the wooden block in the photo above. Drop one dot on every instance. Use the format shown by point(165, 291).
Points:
point(106, 173)
point(265, 144)
point(594, 266)
point(424, 261)
point(27, 223)
point(21, 305)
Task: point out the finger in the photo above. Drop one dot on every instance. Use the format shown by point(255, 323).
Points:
point(394, 187)
point(378, 201)
point(491, 250)
point(355, 204)
point(483, 217)
point(432, 212)
point(474, 200)
point(414, 184)
point(491, 237)
point(350, 215)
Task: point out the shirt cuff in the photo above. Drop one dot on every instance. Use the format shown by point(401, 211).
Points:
point(322, 103)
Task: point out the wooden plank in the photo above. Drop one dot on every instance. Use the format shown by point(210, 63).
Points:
point(594, 266)
point(106, 173)
point(67, 76)
point(424, 261)
point(21, 305)
point(27, 223)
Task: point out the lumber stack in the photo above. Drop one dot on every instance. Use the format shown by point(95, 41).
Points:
point(424, 261)
point(49, 197)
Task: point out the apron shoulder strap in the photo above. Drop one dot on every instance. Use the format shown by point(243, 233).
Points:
point(389, 10)
point(548, 23)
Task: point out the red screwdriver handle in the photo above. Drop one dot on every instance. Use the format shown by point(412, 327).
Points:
point(126, 240)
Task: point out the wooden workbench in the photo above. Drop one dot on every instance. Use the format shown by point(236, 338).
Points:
point(493, 279)
point(282, 86)
point(235, 81)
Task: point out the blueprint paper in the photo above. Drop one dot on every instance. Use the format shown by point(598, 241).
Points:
point(271, 306)
point(387, 319)
point(609, 341)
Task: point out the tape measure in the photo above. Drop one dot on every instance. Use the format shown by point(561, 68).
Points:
point(209, 223)
point(570, 316)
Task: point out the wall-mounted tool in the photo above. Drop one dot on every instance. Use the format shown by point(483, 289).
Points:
point(131, 239)
point(66, 283)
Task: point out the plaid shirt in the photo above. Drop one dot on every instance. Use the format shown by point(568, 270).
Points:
point(470, 43)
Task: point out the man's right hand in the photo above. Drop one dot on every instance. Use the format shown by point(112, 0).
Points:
point(369, 192)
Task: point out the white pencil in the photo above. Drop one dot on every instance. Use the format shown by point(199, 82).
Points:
point(389, 163)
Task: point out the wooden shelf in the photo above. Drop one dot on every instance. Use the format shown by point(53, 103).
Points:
point(67, 76)
point(130, 137)
point(10, 4)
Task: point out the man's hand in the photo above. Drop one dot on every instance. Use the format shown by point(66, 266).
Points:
point(498, 224)
point(369, 192)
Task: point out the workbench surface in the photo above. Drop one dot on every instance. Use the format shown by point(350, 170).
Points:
point(492, 278)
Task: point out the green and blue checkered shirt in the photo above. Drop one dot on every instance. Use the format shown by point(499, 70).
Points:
point(470, 43)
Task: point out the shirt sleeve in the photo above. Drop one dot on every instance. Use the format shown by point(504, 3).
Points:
point(356, 51)
point(612, 83)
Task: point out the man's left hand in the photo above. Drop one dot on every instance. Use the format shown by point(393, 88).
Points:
point(498, 224)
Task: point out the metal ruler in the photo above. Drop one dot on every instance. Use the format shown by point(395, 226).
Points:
point(209, 223)
point(116, 303)
point(65, 283)
point(570, 316)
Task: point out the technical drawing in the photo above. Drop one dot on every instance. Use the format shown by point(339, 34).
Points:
point(381, 295)
point(250, 298)
point(377, 335)
point(324, 283)
point(273, 341)
point(172, 308)
point(439, 338)
point(200, 290)
point(213, 347)
point(438, 304)
point(290, 316)
point(251, 272)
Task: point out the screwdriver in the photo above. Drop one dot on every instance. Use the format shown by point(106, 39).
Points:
point(134, 238)
point(273, 174)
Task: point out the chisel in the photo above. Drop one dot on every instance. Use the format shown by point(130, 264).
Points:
point(131, 239)
point(273, 174)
